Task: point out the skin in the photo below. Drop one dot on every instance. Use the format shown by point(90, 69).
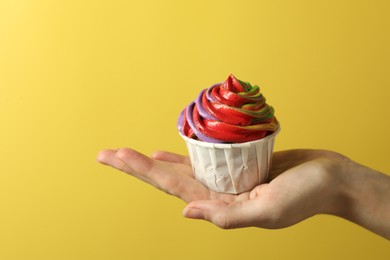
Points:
point(302, 183)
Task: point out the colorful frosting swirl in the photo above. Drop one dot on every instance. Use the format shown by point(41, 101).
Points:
point(230, 112)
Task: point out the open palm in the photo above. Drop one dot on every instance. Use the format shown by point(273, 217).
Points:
point(299, 187)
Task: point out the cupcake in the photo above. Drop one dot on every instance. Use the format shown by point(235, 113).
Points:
point(229, 131)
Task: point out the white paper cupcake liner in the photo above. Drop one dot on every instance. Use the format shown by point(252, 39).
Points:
point(231, 168)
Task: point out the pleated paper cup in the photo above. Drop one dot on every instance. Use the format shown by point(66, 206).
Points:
point(231, 168)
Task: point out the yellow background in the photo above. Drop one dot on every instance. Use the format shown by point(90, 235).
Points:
point(80, 76)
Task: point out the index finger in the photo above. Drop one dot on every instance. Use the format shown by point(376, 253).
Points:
point(172, 178)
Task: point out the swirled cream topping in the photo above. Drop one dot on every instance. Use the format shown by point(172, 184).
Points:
point(230, 112)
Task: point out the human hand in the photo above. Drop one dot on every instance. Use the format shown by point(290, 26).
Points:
point(302, 183)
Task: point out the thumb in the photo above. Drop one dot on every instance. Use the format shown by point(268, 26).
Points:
point(224, 215)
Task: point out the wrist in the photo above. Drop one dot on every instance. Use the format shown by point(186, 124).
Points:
point(339, 196)
point(345, 188)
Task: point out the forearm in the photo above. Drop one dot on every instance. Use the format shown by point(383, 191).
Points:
point(366, 194)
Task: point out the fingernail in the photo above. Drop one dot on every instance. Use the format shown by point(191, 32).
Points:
point(192, 213)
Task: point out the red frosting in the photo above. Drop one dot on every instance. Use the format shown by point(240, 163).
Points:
point(230, 112)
